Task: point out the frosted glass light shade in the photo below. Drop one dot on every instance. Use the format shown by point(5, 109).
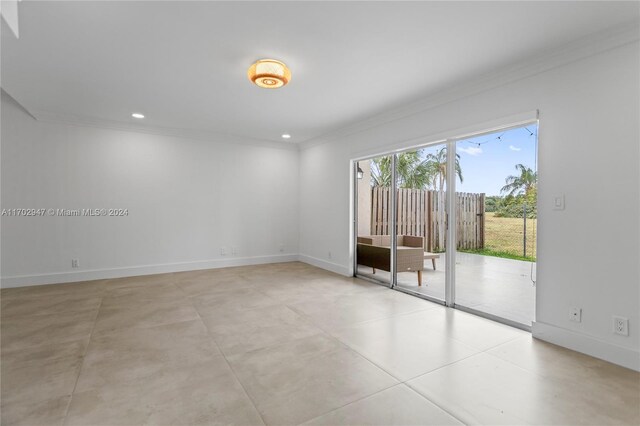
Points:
point(269, 73)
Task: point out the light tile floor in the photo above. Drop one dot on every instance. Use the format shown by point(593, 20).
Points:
point(501, 287)
point(284, 344)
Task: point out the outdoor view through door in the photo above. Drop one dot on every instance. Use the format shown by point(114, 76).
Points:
point(373, 242)
point(495, 222)
point(421, 220)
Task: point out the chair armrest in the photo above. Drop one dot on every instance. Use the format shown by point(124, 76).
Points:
point(411, 241)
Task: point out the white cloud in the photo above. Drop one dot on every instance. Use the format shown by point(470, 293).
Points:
point(472, 150)
point(514, 148)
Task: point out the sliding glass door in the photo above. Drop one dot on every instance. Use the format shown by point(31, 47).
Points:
point(464, 216)
point(496, 222)
point(373, 218)
point(421, 221)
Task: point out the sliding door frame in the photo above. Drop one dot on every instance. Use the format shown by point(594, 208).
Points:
point(451, 228)
point(393, 276)
point(393, 226)
point(450, 264)
point(451, 300)
point(424, 296)
point(353, 243)
point(392, 220)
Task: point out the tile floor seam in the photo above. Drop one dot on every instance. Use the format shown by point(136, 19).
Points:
point(84, 355)
point(357, 322)
point(203, 316)
point(269, 346)
point(38, 345)
point(434, 403)
point(518, 366)
point(235, 375)
point(352, 402)
point(328, 333)
point(323, 354)
point(415, 377)
point(304, 315)
point(496, 345)
point(209, 293)
point(347, 346)
point(526, 370)
point(443, 366)
point(382, 318)
point(449, 412)
point(38, 315)
point(508, 341)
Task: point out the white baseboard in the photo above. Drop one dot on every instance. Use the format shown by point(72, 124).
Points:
point(100, 274)
point(587, 344)
point(329, 266)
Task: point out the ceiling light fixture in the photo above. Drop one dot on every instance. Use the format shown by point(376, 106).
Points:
point(286, 136)
point(137, 115)
point(269, 73)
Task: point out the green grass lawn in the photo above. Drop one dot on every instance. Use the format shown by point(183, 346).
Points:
point(504, 238)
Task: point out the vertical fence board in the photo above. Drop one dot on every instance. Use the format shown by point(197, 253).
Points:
point(423, 213)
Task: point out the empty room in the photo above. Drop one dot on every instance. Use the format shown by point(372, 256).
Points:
point(325, 213)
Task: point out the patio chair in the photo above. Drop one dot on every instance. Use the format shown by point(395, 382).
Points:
point(375, 251)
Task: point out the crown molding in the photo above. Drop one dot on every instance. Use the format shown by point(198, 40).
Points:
point(6, 95)
point(545, 61)
point(209, 136)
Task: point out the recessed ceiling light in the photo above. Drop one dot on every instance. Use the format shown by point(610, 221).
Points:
point(286, 136)
point(269, 73)
point(137, 115)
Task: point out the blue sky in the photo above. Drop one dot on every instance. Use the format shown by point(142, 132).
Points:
point(485, 167)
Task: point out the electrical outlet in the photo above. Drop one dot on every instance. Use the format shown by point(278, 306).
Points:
point(575, 314)
point(620, 326)
point(234, 251)
point(223, 251)
point(281, 248)
point(75, 263)
point(329, 255)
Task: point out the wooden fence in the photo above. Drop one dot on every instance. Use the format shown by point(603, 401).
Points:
point(423, 213)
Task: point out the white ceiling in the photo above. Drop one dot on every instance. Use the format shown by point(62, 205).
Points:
point(183, 64)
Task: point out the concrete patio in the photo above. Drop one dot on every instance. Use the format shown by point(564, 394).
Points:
point(501, 287)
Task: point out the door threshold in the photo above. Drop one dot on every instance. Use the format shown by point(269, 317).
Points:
point(420, 295)
point(495, 318)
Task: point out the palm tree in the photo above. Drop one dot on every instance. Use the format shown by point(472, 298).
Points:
point(381, 171)
point(437, 164)
point(412, 171)
point(522, 184)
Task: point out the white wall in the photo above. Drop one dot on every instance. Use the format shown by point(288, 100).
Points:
point(589, 142)
point(189, 197)
point(186, 198)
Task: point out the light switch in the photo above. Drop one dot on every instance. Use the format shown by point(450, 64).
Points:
point(558, 202)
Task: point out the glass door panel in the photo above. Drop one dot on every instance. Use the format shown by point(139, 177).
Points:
point(373, 197)
point(496, 224)
point(421, 220)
